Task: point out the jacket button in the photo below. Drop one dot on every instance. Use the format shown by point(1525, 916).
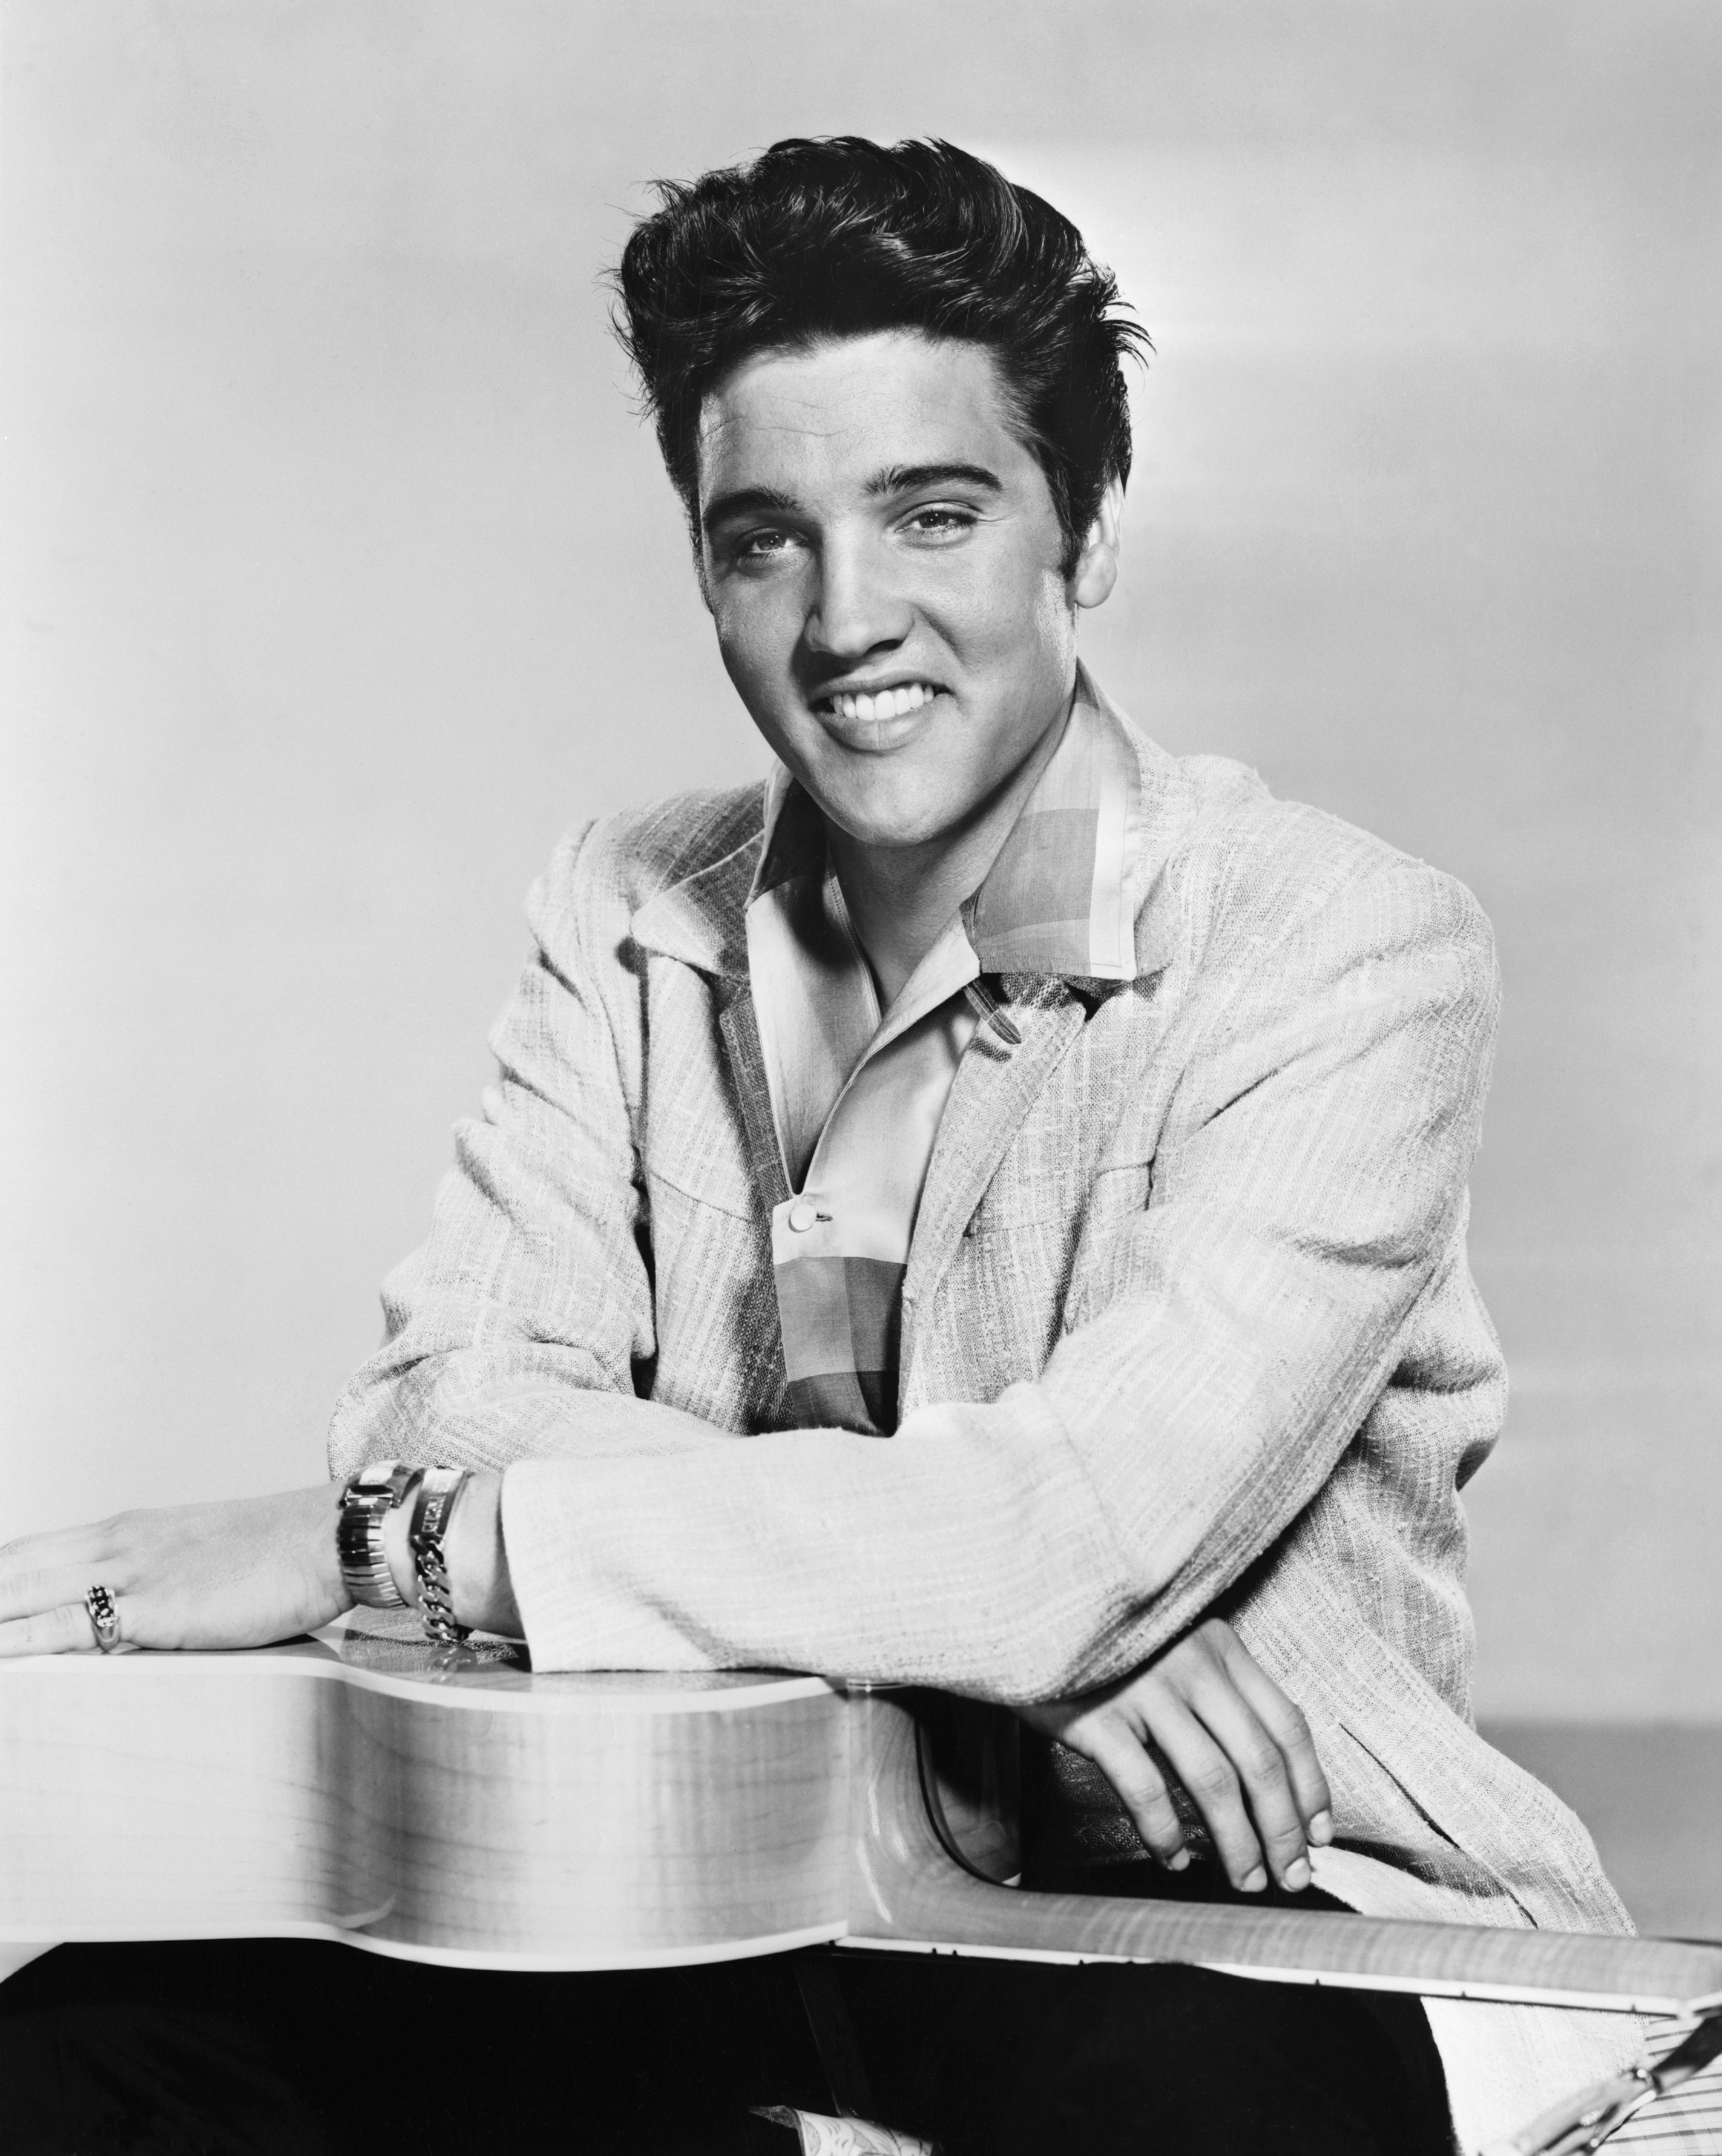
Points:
point(802, 1216)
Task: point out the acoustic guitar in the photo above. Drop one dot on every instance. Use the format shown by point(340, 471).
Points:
point(458, 1807)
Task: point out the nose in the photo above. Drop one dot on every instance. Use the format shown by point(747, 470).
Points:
point(857, 605)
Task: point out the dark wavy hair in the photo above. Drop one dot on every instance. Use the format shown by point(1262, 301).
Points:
point(840, 236)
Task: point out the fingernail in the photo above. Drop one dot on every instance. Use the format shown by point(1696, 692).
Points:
point(1321, 1828)
point(1177, 1860)
point(1297, 1875)
point(1256, 1881)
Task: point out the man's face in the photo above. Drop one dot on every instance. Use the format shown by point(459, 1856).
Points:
point(881, 558)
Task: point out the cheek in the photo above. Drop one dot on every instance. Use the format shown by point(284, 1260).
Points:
point(1023, 642)
point(745, 648)
point(757, 661)
point(1055, 622)
point(1009, 608)
point(756, 630)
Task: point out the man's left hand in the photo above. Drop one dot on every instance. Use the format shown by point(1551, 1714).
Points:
point(1206, 1710)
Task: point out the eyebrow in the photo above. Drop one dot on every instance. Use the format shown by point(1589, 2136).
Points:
point(748, 501)
point(901, 478)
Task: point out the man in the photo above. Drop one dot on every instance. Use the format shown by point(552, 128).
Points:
point(985, 1211)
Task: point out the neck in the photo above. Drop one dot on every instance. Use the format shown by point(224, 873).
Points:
point(901, 898)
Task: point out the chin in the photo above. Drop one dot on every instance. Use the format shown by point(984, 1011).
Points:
point(880, 809)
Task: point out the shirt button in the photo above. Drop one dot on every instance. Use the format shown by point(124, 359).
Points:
point(802, 1216)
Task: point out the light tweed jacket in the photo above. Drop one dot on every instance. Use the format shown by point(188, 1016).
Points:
point(1187, 1322)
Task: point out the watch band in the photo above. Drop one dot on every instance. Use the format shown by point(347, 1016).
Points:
point(366, 1503)
point(438, 1489)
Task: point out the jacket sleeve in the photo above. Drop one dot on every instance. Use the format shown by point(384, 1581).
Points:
point(519, 1326)
point(1308, 1184)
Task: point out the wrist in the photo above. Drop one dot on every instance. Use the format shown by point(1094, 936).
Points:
point(322, 1520)
point(477, 1561)
point(474, 1553)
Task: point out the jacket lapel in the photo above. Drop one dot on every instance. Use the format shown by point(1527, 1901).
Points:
point(739, 1025)
point(997, 1083)
point(703, 922)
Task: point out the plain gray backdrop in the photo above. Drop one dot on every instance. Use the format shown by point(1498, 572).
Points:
point(341, 576)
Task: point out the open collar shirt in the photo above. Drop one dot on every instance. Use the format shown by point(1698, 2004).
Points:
point(857, 1094)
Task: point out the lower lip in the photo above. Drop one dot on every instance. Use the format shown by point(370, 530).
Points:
point(879, 736)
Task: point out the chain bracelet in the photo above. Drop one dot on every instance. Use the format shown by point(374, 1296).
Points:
point(436, 1497)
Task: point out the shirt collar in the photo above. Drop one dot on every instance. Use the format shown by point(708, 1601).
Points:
point(794, 840)
point(1062, 896)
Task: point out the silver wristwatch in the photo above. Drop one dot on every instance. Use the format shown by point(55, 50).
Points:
point(366, 1503)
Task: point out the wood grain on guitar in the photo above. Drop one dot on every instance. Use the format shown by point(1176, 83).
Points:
point(468, 1810)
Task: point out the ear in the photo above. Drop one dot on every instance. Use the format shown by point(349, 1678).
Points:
point(1097, 569)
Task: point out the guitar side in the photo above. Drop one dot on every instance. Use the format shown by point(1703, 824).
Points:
point(480, 1817)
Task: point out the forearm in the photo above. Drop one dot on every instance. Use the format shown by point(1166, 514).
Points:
point(902, 1561)
point(1022, 1549)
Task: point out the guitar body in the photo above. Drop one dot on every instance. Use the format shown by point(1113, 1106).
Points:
point(451, 1808)
point(464, 1809)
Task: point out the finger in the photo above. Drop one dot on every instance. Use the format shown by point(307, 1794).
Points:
point(1289, 1727)
point(65, 1630)
point(1118, 1751)
point(39, 1573)
point(1214, 1786)
point(41, 1588)
point(1261, 1767)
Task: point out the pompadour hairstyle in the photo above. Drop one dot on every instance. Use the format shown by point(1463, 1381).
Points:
point(840, 236)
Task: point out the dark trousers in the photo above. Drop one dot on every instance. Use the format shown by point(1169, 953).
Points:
point(293, 2048)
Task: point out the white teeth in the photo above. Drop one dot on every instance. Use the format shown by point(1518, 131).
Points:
point(885, 703)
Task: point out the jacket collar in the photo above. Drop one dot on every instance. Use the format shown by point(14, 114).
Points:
point(1062, 900)
point(702, 921)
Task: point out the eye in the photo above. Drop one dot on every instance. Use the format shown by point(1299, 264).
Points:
point(940, 521)
point(762, 546)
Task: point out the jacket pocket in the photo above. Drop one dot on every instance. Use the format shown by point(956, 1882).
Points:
point(717, 1180)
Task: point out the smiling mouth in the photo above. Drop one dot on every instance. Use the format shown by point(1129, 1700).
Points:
point(895, 702)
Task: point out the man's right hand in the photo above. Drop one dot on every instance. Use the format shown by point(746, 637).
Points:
point(239, 1573)
point(1243, 1753)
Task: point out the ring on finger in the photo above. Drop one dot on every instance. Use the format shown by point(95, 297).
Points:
point(104, 1618)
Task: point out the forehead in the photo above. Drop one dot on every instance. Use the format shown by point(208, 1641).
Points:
point(834, 414)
